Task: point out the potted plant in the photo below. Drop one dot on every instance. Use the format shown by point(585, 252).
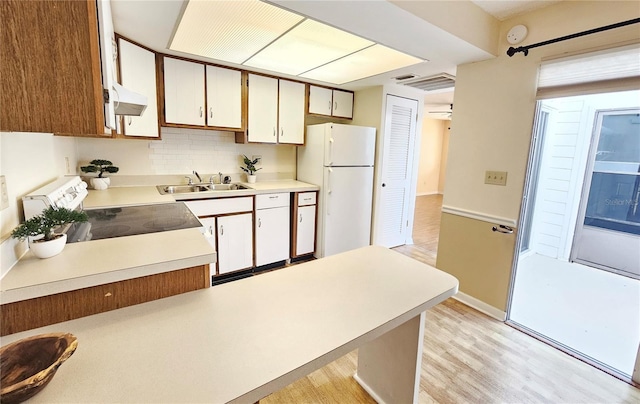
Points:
point(101, 167)
point(250, 168)
point(43, 242)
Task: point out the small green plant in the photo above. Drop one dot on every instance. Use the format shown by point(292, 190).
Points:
point(100, 167)
point(46, 222)
point(250, 165)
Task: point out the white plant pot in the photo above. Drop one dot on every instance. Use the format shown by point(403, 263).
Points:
point(251, 179)
point(46, 249)
point(100, 184)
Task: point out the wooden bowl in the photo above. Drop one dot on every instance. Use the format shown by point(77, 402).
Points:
point(28, 365)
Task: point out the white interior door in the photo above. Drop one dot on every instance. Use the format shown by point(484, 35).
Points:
point(347, 208)
point(394, 185)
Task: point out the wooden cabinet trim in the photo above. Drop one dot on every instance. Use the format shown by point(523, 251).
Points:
point(38, 312)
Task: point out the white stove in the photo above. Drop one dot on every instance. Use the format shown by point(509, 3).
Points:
point(65, 192)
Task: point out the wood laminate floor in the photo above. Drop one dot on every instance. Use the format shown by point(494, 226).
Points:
point(469, 357)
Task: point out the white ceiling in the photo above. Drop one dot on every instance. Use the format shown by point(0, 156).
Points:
point(153, 23)
point(505, 9)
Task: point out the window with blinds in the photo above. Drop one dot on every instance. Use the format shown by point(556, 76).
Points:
point(609, 70)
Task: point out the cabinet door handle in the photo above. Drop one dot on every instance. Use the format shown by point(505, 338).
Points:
point(200, 112)
point(274, 131)
point(210, 112)
point(221, 230)
point(259, 222)
point(130, 121)
point(335, 105)
point(300, 217)
point(329, 106)
point(281, 132)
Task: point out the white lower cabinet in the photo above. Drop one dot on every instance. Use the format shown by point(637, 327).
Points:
point(272, 228)
point(304, 223)
point(306, 230)
point(209, 231)
point(235, 242)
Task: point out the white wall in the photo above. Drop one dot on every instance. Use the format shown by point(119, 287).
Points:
point(28, 161)
point(183, 150)
point(431, 156)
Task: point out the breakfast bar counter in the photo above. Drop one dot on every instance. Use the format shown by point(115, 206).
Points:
point(241, 341)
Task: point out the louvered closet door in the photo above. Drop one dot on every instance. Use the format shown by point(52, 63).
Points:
point(391, 219)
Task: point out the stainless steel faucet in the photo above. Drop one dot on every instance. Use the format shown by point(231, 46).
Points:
point(197, 175)
point(219, 177)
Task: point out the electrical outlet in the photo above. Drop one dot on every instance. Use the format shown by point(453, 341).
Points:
point(4, 195)
point(257, 156)
point(495, 177)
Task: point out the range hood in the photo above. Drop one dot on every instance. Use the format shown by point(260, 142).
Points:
point(126, 102)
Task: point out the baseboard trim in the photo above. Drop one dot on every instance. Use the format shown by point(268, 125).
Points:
point(368, 389)
point(478, 216)
point(429, 193)
point(481, 306)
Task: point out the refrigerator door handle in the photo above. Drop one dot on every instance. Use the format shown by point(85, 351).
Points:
point(330, 151)
point(328, 189)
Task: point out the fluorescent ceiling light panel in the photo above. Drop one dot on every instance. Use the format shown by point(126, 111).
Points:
point(232, 31)
point(307, 46)
point(365, 63)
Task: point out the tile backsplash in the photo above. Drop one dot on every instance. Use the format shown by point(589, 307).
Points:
point(180, 151)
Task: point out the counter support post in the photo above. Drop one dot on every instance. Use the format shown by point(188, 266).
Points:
point(389, 366)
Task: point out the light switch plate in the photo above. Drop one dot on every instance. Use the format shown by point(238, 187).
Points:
point(495, 177)
point(4, 195)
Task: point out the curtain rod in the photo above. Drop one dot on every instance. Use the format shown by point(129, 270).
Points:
point(525, 49)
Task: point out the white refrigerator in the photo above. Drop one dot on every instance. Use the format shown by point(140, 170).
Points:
point(339, 159)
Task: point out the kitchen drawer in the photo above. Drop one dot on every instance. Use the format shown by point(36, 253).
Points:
point(210, 207)
point(306, 198)
point(267, 201)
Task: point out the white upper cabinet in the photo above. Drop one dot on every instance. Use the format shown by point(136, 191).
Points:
point(138, 73)
point(291, 112)
point(320, 100)
point(342, 104)
point(224, 97)
point(184, 92)
point(325, 101)
point(263, 109)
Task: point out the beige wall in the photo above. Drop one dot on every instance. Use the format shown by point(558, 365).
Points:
point(430, 166)
point(491, 130)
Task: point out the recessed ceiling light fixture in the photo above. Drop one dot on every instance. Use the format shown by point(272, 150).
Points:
point(263, 36)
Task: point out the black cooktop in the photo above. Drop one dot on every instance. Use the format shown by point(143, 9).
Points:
point(132, 220)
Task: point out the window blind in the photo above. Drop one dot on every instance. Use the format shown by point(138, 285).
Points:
point(608, 70)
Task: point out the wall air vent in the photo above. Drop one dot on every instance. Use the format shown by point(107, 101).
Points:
point(440, 82)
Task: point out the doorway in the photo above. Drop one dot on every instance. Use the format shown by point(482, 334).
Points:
point(586, 306)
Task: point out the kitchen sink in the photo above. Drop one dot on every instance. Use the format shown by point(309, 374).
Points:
point(185, 189)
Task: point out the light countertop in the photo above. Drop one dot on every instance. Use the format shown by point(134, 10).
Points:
point(123, 196)
point(97, 262)
point(144, 195)
point(243, 340)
